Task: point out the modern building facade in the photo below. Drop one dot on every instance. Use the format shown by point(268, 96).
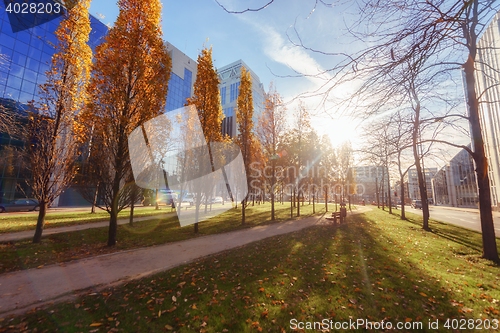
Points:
point(487, 78)
point(26, 51)
point(455, 183)
point(182, 77)
point(25, 55)
point(230, 78)
point(371, 181)
point(414, 190)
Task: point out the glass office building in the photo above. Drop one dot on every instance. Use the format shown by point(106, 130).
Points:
point(26, 51)
point(230, 78)
point(182, 77)
point(487, 78)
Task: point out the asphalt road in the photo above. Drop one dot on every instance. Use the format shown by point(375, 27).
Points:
point(466, 218)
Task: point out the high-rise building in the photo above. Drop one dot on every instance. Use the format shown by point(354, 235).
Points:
point(487, 78)
point(230, 78)
point(371, 180)
point(182, 77)
point(455, 183)
point(414, 190)
point(26, 51)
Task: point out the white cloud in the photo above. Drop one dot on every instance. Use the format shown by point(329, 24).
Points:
point(282, 51)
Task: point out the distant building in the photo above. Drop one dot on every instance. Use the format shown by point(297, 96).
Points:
point(487, 78)
point(414, 190)
point(455, 183)
point(230, 78)
point(369, 181)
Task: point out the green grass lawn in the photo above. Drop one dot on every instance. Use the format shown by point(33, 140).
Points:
point(27, 221)
point(90, 242)
point(374, 268)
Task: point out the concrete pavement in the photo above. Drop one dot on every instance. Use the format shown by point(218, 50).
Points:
point(23, 290)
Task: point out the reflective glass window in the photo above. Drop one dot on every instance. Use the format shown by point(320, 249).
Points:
point(7, 40)
point(28, 87)
point(11, 93)
point(30, 75)
point(32, 64)
point(21, 47)
point(16, 70)
point(37, 43)
point(19, 59)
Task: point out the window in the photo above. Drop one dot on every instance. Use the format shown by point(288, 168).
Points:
point(223, 95)
point(234, 91)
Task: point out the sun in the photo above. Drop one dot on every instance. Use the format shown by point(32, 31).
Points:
point(339, 130)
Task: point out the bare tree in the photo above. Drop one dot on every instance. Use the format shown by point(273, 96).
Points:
point(441, 34)
point(270, 129)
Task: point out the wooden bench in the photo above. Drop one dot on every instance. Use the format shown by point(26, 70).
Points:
point(334, 217)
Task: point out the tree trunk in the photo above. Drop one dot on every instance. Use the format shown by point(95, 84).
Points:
point(389, 192)
point(113, 218)
point(131, 217)
point(298, 202)
point(487, 227)
point(197, 215)
point(273, 182)
point(243, 206)
point(113, 225)
point(402, 190)
point(326, 200)
point(157, 206)
point(94, 201)
point(421, 182)
point(314, 208)
point(133, 199)
point(40, 223)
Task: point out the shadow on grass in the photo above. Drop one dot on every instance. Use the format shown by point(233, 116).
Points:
point(465, 237)
point(358, 270)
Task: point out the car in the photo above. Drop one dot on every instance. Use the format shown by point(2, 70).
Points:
point(167, 197)
point(417, 204)
point(217, 200)
point(19, 205)
point(189, 198)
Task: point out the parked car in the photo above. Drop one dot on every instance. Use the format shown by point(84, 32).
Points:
point(417, 204)
point(167, 197)
point(217, 200)
point(189, 198)
point(19, 205)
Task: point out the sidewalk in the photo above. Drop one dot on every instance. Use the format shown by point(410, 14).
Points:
point(24, 290)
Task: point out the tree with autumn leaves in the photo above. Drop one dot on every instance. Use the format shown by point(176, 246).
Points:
point(128, 87)
point(54, 130)
point(206, 99)
point(244, 121)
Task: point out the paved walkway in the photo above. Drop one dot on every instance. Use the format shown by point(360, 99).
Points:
point(23, 290)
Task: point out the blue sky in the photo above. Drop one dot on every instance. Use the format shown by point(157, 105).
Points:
point(260, 39)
